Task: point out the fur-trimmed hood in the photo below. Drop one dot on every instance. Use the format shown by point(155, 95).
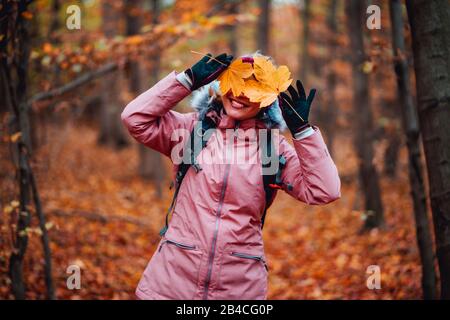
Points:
point(202, 102)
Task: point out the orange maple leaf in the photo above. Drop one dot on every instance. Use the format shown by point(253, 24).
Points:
point(271, 82)
point(259, 92)
point(233, 77)
point(263, 69)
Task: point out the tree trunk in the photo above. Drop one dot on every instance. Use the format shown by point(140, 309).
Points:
point(390, 129)
point(21, 239)
point(411, 129)
point(151, 166)
point(331, 109)
point(18, 31)
point(133, 18)
point(304, 17)
point(44, 239)
point(430, 28)
point(54, 24)
point(21, 117)
point(263, 31)
point(150, 162)
point(392, 151)
point(5, 101)
point(362, 118)
point(111, 127)
point(231, 30)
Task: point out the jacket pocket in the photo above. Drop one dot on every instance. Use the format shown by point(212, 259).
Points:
point(178, 244)
point(243, 273)
point(248, 256)
point(173, 271)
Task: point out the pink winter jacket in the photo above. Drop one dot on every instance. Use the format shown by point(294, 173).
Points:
point(214, 248)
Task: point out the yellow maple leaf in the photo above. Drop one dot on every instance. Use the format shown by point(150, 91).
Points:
point(263, 69)
point(256, 91)
point(271, 82)
point(281, 79)
point(233, 77)
point(276, 78)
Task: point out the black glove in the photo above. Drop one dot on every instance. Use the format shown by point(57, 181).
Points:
point(300, 104)
point(204, 71)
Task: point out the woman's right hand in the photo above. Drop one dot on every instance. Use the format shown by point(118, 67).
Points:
point(207, 70)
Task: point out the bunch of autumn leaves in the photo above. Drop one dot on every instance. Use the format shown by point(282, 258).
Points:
point(255, 77)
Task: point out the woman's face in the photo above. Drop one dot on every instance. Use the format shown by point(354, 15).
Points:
point(239, 108)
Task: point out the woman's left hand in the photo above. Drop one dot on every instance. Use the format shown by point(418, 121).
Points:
point(295, 108)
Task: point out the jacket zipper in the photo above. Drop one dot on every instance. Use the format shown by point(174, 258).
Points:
point(178, 244)
point(216, 229)
point(249, 256)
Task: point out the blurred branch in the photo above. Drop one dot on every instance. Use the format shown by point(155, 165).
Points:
point(83, 79)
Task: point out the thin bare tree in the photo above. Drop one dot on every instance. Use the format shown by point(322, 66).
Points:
point(363, 119)
point(430, 28)
point(415, 167)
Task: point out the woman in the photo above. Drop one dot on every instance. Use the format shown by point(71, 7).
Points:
point(213, 247)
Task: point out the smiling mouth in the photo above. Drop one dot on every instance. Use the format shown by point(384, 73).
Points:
point(236, 104)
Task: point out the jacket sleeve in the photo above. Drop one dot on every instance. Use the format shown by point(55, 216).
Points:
point(149, 117)
point(309, 170)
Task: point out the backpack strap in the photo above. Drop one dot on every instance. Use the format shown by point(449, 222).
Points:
point(271, 182)
point(197, 142)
